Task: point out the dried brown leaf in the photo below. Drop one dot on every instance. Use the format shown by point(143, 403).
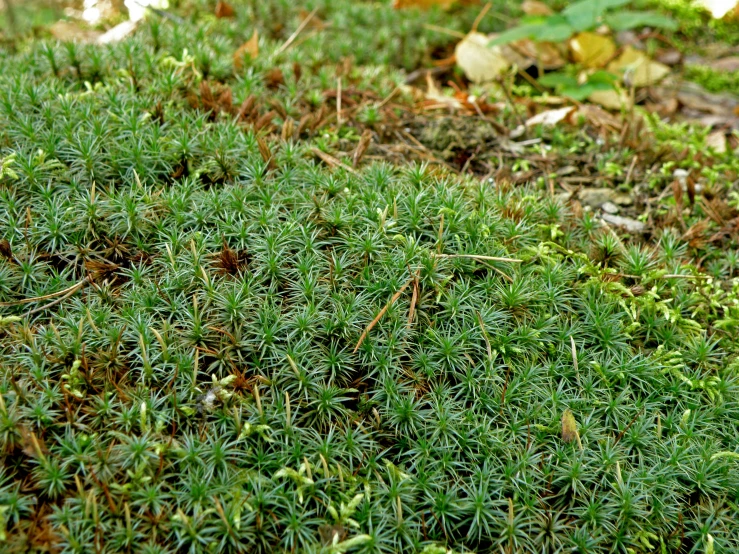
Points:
point(224, 10)
point(5, 249)
point(250, 47)
point(246, 109)
point(480, 62)
point(611, 99)
point(229, 261)
point(437, 98)
point(526, 53)
point(599, 118)
point(591, 49)
point(717, 141)
point(265, 152)
point(288, 129)
point(550, 118)
point(274, 78)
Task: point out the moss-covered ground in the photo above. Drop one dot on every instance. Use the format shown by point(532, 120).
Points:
point(226, 328)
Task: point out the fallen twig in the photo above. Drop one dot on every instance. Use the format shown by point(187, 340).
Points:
point(485, 336)
point(574, 359)
point(66, 291)
point(297, 32)
point(331, 160)
point(679, 276)
point(414, 299)
point(77, 287)
point(364, 142)
point(477, 257)
point(382, 313)
point(450, 32)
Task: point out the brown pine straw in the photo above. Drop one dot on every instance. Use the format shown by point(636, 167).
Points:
point(382, 313)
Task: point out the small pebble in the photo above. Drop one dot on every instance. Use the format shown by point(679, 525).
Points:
point(609, 208)
point(631, 225)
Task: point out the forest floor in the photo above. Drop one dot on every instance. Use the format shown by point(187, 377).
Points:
point(349, 277)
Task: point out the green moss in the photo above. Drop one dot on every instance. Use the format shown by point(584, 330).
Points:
point(202, 390)
point(711, 80)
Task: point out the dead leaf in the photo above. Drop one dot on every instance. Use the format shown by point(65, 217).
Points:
point(695, 235)
point(611, 99)
point(599, 118)
point(250, 47)
point(717, 141)
point(638, 69)
point(224, 9)
point(550, 118)
point(434, 98)
point(725, 64)
point(314, 22)
point(534, 7)
point(480, 62)
point(592, 50)
point(526, 53)
point(437, 98)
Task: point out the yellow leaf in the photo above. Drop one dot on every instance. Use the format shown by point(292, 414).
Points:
point(638, 69)
point(534, 7)
point(611, 99)
point(479, 62)
point(592, 50)
point(250, 47)
point(717, 141)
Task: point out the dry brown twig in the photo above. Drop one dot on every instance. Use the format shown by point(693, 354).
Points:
point(291, 38)
point(378, 317)
point(331, 160)
point(66, 292)
point(414, 298)
point(477, 257)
